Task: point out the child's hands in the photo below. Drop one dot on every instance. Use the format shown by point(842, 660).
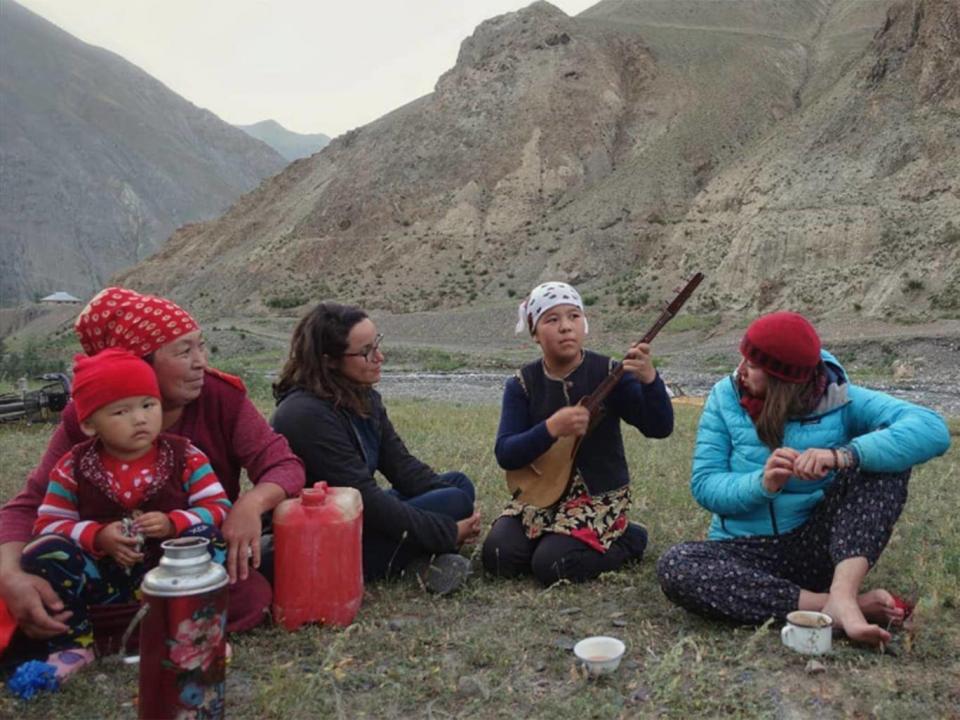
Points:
point(111, 541)
point(639, 363)
point(154, 525)
point(573, 420)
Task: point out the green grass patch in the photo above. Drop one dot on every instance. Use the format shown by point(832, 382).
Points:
point(500, 649)
point(431, 359)
point(286, 302)
point(258, 371)
point(683, 323)
point(32, 356)
point(720, 363)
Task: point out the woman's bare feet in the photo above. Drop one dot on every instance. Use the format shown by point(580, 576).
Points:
point(878, 606)
point(849, 617)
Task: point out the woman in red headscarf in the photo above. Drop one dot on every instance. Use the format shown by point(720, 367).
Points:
point(805, 474)
point(204, 405)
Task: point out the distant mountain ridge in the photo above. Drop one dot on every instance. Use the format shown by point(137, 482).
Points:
point(798, 153)
point(290, 144)
point(100, 162)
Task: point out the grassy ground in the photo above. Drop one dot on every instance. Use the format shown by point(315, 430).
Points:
point(501, 649)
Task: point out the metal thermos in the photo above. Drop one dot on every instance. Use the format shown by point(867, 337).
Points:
point(183, 634)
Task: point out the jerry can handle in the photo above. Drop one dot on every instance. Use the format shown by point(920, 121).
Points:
point(131, 659)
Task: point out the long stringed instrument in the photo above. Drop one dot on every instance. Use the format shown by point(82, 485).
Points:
point(547, 479)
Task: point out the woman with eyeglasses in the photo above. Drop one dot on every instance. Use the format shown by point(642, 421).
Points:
point(336, 422)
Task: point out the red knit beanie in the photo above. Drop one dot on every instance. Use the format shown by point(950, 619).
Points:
point(118, 317)
point(784, 344)
point(109, 376)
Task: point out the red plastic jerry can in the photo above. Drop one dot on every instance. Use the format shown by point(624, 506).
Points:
point(318, 564)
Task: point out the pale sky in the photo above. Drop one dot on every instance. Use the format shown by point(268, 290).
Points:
point(311, 65)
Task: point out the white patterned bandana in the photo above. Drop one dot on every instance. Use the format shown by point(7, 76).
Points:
point(542, 298)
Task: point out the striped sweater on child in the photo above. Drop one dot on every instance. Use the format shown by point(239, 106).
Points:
point(130, 480)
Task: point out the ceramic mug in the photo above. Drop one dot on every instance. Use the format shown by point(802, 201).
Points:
point(808, 632)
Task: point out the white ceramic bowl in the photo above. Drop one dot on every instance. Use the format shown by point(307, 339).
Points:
point(599, 654)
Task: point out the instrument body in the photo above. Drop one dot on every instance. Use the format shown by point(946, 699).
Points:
point(547, 479)
point(544, 481)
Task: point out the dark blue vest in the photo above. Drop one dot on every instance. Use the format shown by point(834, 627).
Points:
point(600, 460)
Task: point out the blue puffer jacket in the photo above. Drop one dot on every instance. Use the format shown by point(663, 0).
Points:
point(889, 435)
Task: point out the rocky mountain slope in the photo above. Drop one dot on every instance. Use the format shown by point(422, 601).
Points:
point(291, 145)
point(852, 205)
point(99, 162)
point(797, 152)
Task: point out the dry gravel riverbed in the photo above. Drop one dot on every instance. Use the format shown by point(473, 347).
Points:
point(487, 387)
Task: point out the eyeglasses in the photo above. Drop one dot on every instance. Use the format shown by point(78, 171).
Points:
point(368, 352)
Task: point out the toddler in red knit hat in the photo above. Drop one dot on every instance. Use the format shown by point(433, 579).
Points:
point(112, 499)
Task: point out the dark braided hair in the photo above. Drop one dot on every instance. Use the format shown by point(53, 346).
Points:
point(320, 338)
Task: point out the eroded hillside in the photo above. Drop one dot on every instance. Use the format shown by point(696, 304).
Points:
point(798, 152)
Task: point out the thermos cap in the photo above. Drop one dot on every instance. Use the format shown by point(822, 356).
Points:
point(186, 568)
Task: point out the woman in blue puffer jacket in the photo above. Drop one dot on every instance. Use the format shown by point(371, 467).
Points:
point(805, 474)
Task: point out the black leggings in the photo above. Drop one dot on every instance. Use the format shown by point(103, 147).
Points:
point(749, 580)
point(508, 552)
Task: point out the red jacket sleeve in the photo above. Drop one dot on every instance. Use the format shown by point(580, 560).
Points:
point(264, 453)
point(19, 514)
point(58, 513)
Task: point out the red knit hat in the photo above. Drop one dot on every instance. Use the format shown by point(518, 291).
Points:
point(109, 376)
point(118, 317)
point(784, 344)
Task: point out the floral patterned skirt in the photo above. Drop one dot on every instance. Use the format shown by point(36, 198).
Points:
point(597, 521)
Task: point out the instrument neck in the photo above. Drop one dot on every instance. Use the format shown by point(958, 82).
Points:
point(595, 399)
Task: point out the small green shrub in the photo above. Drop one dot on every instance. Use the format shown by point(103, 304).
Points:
point(285, 302)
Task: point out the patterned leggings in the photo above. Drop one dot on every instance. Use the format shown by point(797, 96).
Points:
point(749, 580)
point(81, 580)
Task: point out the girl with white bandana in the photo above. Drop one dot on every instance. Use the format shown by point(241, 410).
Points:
point(586, 532)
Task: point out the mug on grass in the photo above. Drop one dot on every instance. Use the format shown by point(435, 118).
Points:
point(808, 632)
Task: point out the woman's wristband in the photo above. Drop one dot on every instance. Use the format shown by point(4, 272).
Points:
point(845, 457)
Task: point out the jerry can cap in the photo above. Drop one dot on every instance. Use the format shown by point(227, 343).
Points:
point(315, 495)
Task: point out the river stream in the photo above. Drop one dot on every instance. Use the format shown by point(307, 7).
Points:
point(487, 387)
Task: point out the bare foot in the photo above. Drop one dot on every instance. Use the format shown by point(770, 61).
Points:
point(848, 617)
point(67, 662)
point(878, 606)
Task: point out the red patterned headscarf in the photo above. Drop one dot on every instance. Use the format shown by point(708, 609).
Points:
point(123, 318)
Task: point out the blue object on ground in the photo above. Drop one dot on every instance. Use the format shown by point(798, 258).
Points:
point(31, 677)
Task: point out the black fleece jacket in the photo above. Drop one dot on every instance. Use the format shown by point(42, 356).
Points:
point(325, 439)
